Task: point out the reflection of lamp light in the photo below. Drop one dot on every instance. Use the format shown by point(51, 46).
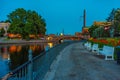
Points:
point(8, 57)
point(50, 45)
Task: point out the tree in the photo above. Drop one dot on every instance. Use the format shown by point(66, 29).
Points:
point(92, 29)
point(111, 15)
point(26, 22)
point(2, 32)
point(117, 22)
point(114, 17)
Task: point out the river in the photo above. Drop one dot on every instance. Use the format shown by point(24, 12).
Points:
point(14, 55)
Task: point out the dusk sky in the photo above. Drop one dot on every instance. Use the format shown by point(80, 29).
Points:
point(62, 14)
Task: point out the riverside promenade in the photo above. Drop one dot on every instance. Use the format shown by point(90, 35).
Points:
point(76, 63)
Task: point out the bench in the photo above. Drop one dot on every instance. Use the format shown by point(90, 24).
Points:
point(95, 48)
point(108, 51)
point(88, 45)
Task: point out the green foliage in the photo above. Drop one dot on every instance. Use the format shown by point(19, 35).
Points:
point(117, 50)
point(26, 22)
point(111, 15)
point(117, 20)
point(2, 32)
point(114, 17)
point(92, 29)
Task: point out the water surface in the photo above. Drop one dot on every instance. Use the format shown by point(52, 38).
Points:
point(14, 55)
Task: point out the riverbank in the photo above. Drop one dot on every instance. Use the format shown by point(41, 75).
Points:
point(25, 41)
point(47, 57)
point(76, 63)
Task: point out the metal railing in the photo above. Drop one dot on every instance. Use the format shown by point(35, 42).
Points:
point(34, 69)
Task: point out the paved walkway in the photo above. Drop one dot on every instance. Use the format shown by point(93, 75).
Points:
point(76, 63)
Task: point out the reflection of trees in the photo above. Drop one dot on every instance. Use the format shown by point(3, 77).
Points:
point(15, 48)
point(37, 49)
point(18, 58)
point(19, 55)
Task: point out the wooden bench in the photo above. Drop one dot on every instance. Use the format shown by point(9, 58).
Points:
point(108, 51)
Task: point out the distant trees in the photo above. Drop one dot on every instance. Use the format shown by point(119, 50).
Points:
point(92, 29)
point(107, 30)
point(111, 15)
point(26, 22)
point(117, 20)
point(2, 32)
point(99, 31)
point(114, 17)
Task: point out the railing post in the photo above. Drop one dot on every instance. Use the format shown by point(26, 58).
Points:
point(30, 69)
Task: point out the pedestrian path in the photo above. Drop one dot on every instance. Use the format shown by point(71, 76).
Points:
point(76, 63)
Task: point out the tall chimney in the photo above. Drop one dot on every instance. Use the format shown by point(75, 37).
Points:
point(84, 18)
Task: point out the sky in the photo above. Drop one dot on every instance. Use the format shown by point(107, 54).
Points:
point(62, 15)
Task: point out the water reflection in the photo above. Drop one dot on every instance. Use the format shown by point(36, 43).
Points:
point(4, 60)
point(50, 45)
point(15, 55)
point(19, 54)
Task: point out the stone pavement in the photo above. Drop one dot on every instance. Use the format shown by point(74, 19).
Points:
point(76, 63)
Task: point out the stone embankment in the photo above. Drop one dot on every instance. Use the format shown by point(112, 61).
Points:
point(24, 41)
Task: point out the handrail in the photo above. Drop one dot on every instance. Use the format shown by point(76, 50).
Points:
point(21, 72)
point(20, 67)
